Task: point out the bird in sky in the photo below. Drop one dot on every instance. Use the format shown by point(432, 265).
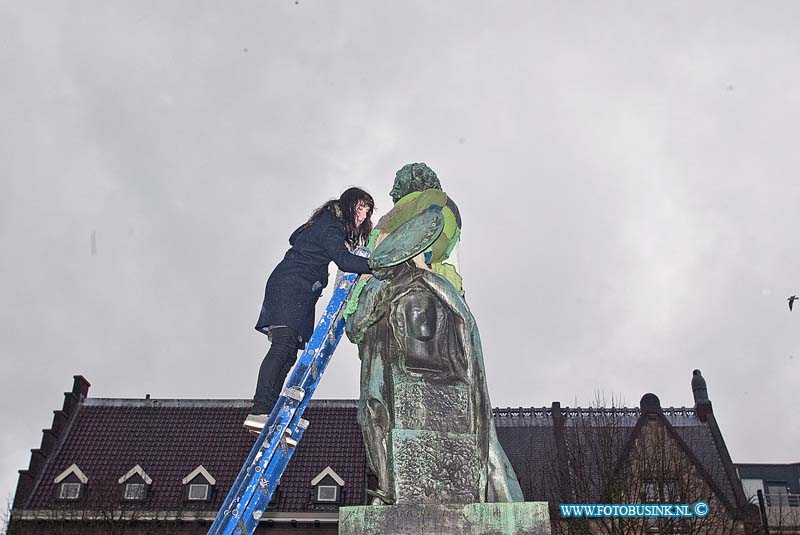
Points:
point(791, 300)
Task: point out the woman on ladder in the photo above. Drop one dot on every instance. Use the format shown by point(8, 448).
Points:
point(296, 283)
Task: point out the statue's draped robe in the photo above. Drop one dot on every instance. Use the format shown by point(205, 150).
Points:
point(415, 333)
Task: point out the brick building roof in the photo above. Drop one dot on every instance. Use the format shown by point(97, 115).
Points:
point(169, 439)
point(531, 441)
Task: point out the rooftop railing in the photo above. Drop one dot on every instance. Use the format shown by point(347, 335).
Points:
point(782, 500)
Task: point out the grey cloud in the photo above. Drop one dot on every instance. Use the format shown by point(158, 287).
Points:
point(626, 175)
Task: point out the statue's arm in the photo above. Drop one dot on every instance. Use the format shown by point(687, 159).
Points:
point(367, 312)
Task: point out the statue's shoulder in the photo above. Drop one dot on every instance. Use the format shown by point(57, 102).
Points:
point(444, 290)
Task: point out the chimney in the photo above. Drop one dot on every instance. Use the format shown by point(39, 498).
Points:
point(702, 405)
point(562, 473)
point(80, 386)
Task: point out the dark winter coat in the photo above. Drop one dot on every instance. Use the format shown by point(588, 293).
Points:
point(297, 281)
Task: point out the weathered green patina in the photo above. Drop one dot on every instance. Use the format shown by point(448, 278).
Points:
point(530, 518)
point(413, 177)
point(416, 188)
point(424, 407)
point(408, 240)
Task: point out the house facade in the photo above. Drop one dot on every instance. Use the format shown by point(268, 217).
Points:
point(119, 466)
point(775, 489)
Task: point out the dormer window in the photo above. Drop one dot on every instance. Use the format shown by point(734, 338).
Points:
point(327, 493)
point(327, 487)
point(69, 491)
point(199, 485)
point(134, 491)
point(136, 483)
point(198, 491)
point(71, 483)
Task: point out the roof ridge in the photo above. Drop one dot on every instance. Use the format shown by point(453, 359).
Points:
point(347, 403)
point(779, 465)
point(199, 403)
point(546, 410)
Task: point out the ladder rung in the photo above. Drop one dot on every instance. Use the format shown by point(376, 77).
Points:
point(294, 392)
point(276, 443)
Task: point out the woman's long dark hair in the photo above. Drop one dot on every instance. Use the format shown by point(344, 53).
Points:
point(344, 208)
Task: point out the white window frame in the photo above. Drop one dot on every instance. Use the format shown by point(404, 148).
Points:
point(72, 470)
point(205, 494)
point(136, 470)
point(335, 498)
point(64, 494)
point(139, 491)
point(199, 471)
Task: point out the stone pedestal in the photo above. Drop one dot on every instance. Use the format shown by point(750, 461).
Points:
point(531, 518)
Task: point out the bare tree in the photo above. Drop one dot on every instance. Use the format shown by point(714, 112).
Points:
point(103, 509)
point(5, 515)
point(783, 512)
point(604, 457)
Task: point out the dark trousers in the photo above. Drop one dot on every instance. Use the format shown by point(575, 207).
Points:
point(275, 367)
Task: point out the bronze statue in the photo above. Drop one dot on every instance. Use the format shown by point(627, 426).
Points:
point(424, 407)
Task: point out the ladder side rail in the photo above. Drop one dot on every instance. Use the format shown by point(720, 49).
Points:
point(229, 516)
point(244, 475)
point(264, 487)
point(263, 444)
point(275, 435)
point(268, 483)
point(308, 372)
point(310, 367)
point(234, 496)
point(322, 355)
point(248, 496)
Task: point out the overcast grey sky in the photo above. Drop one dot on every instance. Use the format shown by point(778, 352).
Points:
point(627, 174)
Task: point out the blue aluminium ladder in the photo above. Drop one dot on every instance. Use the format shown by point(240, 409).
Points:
point(253, 488)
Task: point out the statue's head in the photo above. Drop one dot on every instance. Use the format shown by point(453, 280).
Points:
point(413, 177)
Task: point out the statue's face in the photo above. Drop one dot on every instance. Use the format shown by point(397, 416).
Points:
point(402, 184)
point(421, 314)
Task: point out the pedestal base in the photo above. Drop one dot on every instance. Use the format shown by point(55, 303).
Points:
point(530, 518)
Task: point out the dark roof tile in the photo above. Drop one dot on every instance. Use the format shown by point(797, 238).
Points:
point(170, 438)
